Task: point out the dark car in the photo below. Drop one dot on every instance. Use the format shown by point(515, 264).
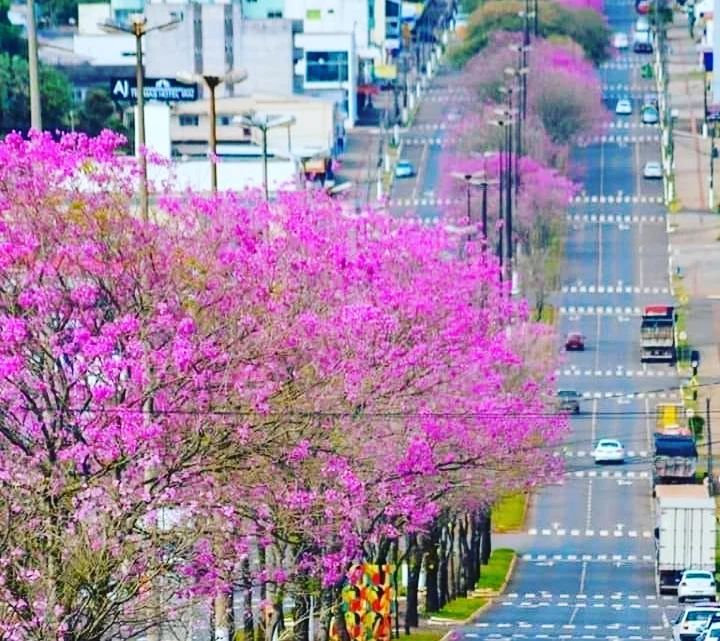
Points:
point(569, 401)
point(574, 342)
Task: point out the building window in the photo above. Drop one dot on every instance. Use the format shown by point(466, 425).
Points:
point(189, 120)
point(326, 66)
point(274, 14)
point(247, 132)
point(223, 121)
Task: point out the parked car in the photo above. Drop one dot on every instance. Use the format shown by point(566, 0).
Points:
point(652, 170)
point(574, 341)
point(623, 107)
point(609, 450)
point(689, 623)
point(621, 41)
point(697, 584)
point(642, 42)
point(569, 401)
point(404, 169)
point(650, 115)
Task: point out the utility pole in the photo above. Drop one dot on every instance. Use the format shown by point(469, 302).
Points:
point(33, 71)
point(711, 484)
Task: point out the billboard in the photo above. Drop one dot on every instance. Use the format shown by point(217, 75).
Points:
point(157, 89)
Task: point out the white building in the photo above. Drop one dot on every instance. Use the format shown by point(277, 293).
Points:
point(213, 38)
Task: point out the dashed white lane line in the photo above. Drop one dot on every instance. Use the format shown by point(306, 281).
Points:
point(618, 139)
point(615, 558)
point(592, 310)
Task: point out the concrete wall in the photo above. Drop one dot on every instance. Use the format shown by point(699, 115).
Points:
point(106, 50)
point(335, 16)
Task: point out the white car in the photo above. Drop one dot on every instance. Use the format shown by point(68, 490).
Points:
point(621, 41)
point(404, 169)
point(623, 107)
point(652, 170)
point(650, 115)
point(691, 621)
point(697, 584)
point(609, 450)
point(642, 24)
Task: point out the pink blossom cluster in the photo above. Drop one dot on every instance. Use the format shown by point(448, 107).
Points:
point(235, 376)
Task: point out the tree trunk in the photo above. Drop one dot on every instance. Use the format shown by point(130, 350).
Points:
point(486, 529)
point(301, 614)
point(248, 620)
point(464, 553)
point(475, 542)
point(414, 561)
point(443, 579)
point(432, 566)
point(326, 598)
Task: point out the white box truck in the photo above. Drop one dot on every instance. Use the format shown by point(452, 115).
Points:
point(685, 532)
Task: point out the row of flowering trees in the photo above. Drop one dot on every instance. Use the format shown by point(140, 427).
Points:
point(239, 397)
point(559, 104)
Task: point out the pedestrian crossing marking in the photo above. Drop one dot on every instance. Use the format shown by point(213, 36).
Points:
point(618, 139)
point(616, 558)
point(599, 310)
point(627, 124)
point(613, 289)
point(619, 219)
point(605, 474)
point(617, 373)
point(616, 199)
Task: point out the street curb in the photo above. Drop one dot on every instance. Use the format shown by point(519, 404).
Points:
point(511, 568)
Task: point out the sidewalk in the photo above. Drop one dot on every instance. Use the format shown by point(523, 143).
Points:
point(694, 241)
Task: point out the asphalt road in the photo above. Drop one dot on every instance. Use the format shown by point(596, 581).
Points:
point(586, 561)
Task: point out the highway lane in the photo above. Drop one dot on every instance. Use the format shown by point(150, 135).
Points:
point(591, 535)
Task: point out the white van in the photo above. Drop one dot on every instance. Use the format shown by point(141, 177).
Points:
point(642, 42)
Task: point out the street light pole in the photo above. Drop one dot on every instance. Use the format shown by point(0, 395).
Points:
point(138, 28)
point(212, 83)
point(33, 72)
point(263, 123)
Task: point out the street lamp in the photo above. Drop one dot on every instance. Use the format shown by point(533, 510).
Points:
point(138, 28)
point(264, 123)
point(229, 78)
point(477, 179)
point(506, 124)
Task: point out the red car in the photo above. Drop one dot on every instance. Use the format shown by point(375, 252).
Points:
point(574, 341)
point(643, 7)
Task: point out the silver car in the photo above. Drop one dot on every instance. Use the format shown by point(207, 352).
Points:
point(569, 401)
point(691, 621)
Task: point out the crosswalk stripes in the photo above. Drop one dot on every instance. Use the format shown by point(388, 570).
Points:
point(599, 310)
point(588, 454)
point(612, 558)
point(427, 140)
point(621, 64)
point(613, 289)
point(617, 373)
point(424, 202)
point(619, 199)
point(619, 395)
point(618, 139)
point(623, 86)
point(606, 474)
point(626, 124)
point(617, 534)
point(614, 219)
point(518, 636)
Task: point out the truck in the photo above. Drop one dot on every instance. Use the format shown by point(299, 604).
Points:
point(657, 334)
point(675, 459)
point(671, 419)
point(685, 532)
